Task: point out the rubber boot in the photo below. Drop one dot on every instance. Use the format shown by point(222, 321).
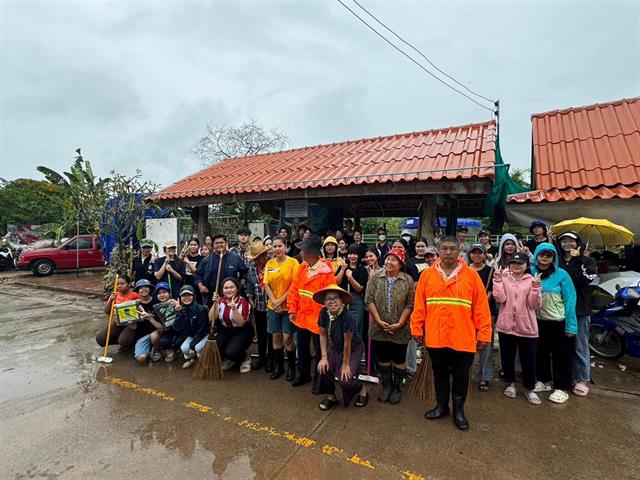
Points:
point(385, 378)
point(396, 383)
point(458, 412)
point(441, 383)
point(278, 361)
point(271, 359)
point(291, 366)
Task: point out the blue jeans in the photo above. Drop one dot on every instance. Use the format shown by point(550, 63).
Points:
point(485, 357)
point(356, 307)
point(412, 356)
point(581, 354)
point(199, 346)
point(279, 323)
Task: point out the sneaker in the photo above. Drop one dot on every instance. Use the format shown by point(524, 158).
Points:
point(245, 366)
point(542, 387)
point(155, 355)
point(227, 364)
point(189, 363)
point(170, 356)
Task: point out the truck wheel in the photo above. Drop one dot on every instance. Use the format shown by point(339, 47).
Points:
point(42, 268)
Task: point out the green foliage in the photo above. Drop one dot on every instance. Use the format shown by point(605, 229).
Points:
point(27, 201)
point(522, 176)
point(84, 196)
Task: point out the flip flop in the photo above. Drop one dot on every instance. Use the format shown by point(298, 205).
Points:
point(533, 398)
point(581, 389)
point(362, 400)
point(510, 392)
point(483, 386)
point(328, 404)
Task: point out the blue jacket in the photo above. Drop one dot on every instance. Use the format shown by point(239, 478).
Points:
point(192, 321)
point(232, 266)
point(558, 283)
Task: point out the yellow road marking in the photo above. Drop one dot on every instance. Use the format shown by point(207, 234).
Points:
point(267, 430)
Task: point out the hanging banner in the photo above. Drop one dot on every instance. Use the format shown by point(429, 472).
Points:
point(296, 208)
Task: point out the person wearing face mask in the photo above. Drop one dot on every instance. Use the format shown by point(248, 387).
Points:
point(583, 271)
point(382, 246)
point(557, 325)
point(410, 243)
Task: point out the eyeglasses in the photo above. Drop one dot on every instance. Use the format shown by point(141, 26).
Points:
point(331, 299)
point(146, 246)
point(546, 253)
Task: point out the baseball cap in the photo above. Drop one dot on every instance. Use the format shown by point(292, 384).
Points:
point(170, 244)
point(477, 246)
point(431, 251)
point(187, 289)
point(519, 257)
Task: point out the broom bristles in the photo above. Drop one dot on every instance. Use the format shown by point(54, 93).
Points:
point(421, 385)
point(209, 366)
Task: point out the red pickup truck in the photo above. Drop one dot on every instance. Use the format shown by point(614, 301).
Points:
point(44, 261)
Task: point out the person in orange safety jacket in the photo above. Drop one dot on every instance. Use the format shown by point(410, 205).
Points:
point(314, 274)
point(451, 303)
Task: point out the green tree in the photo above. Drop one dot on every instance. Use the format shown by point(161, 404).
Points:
point(522, 176)
point(28, 201)
point(84, 194)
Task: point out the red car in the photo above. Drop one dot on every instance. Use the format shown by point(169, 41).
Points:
point(45, 260)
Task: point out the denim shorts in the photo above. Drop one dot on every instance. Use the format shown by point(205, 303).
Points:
point(279, 323)
point(143, 346)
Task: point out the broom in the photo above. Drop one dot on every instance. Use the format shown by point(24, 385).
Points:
point(209, 364)
point(106, 358)
point(421, 385)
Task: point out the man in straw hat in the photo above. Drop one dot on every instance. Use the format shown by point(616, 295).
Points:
point(452, 312)
point(341, 346)
point(257, 258)
point(313, 275)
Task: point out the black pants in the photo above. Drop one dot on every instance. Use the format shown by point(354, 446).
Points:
point(527, 349)
point(445, 362)
point(555, 354)
point(304, 339)
point(265, 346)
point(234, 342)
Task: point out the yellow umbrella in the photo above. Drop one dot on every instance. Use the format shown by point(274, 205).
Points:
point(596, 230)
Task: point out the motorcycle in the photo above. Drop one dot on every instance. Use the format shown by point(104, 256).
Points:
point(615, 329)
point(6, 258)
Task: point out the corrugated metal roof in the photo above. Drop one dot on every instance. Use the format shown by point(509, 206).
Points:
point(452, 153)
point(586, 151)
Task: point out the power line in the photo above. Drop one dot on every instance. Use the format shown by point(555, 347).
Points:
point(412, 59)
point(422, 54)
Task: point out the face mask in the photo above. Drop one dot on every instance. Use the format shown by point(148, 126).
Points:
point(382, 238)
point(406, 237)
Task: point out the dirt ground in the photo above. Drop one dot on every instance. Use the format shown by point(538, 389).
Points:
point(65, 416)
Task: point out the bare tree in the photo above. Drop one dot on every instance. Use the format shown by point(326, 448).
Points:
point(224, 141)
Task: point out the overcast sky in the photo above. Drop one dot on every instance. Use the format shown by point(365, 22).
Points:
point(135, 83)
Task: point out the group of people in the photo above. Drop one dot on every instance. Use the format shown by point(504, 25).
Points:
point(322, 305)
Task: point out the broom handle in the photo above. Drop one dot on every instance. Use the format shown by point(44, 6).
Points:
point(215, 304)
point(369, 350)
point(113, 305)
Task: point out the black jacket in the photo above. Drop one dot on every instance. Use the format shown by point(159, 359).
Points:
point(192, 321)
point(583, 270)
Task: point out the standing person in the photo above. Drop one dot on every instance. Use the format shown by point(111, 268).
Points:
point(484, 238)
point(192, 321)
point(541, 233)
point(256, 294)
point(519, 295)
point(191, 257)
point(583, 271)
point(341, 347)
point(170, 269)
point(452, 310)
point(382, 246)
point(125, 336)
point(149, 324)
point(205, 251)
point(313, 275)
point(462, 239)
point(143, 262)
point(208, 242)
point(234, 332)
point(207, 272)
point(292, 250)
point(268, 243)
point(389, 298)
point(362, 247)
point(557, 324)
point(410, 243)
point(330, 253)
point(348, 232)
point(279, 274)
point(507, 249)
point(354, 281)
point(372, 262)
point(241, 248)
point(343, 248)
point(478, 262)
point(416, 265)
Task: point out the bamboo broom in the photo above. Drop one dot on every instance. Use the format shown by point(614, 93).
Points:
point(209, 366)
point(421, 385)
point(106, 358)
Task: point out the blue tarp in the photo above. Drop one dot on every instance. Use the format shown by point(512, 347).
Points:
point(413, 223)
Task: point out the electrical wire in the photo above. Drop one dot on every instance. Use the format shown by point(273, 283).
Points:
point(422, 54)
point(412, 59)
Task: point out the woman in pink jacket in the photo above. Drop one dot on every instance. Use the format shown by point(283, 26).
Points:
point(519, 295)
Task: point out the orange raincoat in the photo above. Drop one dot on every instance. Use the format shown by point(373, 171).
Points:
point(300, 298)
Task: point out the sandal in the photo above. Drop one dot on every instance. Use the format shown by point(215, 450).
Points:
point(328, 404)
point(533, 398)
point(189, 363)
point(581, 389)
point(542, 387)
point(483, 386)
point(362, 400)
point(559, 396)
point(510, 392)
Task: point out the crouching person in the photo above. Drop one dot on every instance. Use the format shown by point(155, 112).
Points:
point(341, 347)
point(166, 339)
point(144, 288)
point(125, 336)
point(192, 321)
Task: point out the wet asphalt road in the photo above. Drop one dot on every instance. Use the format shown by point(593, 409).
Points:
point(64, 416)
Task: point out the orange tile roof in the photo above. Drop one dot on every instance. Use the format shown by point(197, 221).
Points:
point(586, 152)
point(462, 152)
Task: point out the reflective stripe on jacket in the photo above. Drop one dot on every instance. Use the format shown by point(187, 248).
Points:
point(451, 313)
point(300, 298)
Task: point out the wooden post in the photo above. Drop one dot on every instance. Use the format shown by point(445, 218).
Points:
point(203, 221)
point(452, 215)
point(426, 216)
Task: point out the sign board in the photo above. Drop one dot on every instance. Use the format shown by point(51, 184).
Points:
point(258, 229)
point(296, 208)
point(162, 229)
